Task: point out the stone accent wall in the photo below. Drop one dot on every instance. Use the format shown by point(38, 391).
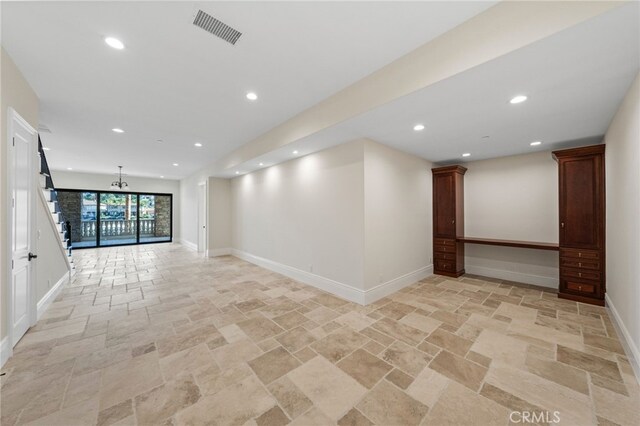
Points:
point(71, 206)
point(163, 216)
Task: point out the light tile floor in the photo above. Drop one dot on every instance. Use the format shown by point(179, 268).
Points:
point(157, 335)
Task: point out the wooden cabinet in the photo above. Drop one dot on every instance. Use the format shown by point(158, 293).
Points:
point(448, 220)
point(582, 223)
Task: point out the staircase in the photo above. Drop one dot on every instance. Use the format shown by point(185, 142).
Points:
point(50, 196)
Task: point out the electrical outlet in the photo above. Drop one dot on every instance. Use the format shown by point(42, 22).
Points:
point(48, 283)
point(310, 268)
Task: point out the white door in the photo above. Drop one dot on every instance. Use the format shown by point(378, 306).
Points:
point(22, 151)
point(202, 217)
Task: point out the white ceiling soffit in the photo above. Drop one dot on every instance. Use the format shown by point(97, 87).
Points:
point(575, 81)
point(176, 83)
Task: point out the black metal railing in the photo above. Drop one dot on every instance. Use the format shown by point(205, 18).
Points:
point(46, 172)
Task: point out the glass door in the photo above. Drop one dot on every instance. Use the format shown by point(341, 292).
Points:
point(155, 218)
point(118, 218)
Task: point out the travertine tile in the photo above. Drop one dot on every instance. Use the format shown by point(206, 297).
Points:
point(273, 364)
point(449, 341)
point(146, 329)
point(229, 406)
point(406, 358)
point(158, 404)
point(460, 406)
point(329, 388)
point(387, 405)
point(339, 344)
point(354, 418)
point(367, 369)
point(290, 397)
point(459, 369)
point(129, 378)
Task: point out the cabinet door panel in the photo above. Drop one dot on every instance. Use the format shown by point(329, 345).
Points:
point(445, 205)
point(579, 193)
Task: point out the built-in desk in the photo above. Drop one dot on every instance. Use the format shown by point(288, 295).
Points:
point(510, 243)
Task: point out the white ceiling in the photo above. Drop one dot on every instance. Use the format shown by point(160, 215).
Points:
point(177, 83)
point(575, 81)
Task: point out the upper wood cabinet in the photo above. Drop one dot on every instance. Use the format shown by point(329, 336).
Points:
point(582, 223)
point(448, 220)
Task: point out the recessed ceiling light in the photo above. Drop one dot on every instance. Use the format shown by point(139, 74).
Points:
point(535, 143)
point(114, 42)
point(46, 149)
point(295, 152)
point(418, 127)
point(261, 164)
point(159, 140)
point(237, 172)
point(466, 154)
point(518, 99)
point(198, 144)
point(161, 177)
point(117, 130)
point(175, 164)
point(485, 137)
point(252, 96)
point(69, 168)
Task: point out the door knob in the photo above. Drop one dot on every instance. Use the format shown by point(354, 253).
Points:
point(562, 224)
point(32, 256)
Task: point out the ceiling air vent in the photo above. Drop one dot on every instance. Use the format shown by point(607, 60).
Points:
point(215, 27)
point(43, 128)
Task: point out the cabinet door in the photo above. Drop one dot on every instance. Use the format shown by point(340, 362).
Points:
point(444, 197)
point(579, 202)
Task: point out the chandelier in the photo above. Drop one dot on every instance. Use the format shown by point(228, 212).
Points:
point(119, 185)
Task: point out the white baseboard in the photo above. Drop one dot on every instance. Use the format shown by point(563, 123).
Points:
point(189, 244)
point(51, 295)
point(219, 252)
point(345, 291)
point(5, 350)
point(551, 282)
point(385, 289)
point(339, 289)
point(627, 342)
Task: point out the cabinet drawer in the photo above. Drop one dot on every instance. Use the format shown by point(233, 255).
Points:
point(444, 242)
point(444, 249)
point(580, 254)
point(580, 273)
point(583, 288)
point(572, 262)
point(445, 256)
point(444, 265)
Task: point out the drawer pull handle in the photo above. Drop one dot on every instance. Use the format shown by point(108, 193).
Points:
point(580, 264)
point(580, 274)
point(580, 287)
point(580, 254)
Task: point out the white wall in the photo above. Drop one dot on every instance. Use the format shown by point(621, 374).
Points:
point(51, 264)
point(101, 182)
point(306, 214)
point(398, 225)
point(623, 215)
point(513, 198)
point(220, 221)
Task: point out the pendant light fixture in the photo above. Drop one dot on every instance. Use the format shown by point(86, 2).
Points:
point(119, 185)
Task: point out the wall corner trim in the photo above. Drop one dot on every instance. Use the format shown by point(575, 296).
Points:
point(627, 342)
point(345, 291)
point(5, 351)
point(391, 286)
point(219, 252)
point(189, 244)
point(51, 295)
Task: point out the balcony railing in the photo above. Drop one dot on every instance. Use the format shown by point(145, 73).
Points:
point(116, 228)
